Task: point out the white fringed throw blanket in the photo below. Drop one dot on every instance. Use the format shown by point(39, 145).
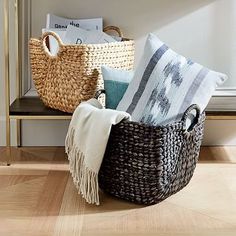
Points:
point(86, 142)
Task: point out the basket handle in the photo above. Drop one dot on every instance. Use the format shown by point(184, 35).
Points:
point(187, 115)
point(113, 28)
point(56, 36)
point(99, 92)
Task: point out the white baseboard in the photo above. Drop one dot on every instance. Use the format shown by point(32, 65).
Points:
point(36, 133)
point(3, 132)
point(220, 133)
point(52, 133)
point(44, 132)
point(226, 103)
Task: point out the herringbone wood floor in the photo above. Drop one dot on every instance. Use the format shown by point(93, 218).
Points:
point(37, 197)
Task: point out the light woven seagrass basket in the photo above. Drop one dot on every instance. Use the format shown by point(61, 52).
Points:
point(74, 74)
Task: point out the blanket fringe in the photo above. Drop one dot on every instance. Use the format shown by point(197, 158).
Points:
point(85, 180)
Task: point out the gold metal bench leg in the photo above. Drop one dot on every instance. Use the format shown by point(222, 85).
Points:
point(18, 70)
point(8, 140)
point(18, 133)
point(8, 155)
point(7, 160)
point(7, 82)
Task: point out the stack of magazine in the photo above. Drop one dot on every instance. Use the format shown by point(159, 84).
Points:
point(76, 31)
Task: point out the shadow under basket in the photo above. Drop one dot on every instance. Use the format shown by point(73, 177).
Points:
point(146, 164)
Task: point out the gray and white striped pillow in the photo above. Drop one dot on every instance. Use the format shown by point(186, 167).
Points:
point(165, 84)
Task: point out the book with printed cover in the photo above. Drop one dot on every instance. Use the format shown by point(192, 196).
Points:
point(76, 35)
point(58, 22)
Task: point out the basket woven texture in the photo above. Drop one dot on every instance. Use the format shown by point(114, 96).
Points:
point(146, 164)
point(74, 74)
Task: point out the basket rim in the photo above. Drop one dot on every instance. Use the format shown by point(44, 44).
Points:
point(89, 45)
point(175, 124)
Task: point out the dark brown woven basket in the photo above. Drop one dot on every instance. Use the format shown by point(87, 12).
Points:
point(146, 164)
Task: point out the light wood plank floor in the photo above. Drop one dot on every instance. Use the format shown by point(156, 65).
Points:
point(38, 198)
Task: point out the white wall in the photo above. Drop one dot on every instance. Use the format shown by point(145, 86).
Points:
point(2, 78)
point(203, 30)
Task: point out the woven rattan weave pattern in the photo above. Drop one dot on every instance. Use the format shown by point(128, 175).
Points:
point(74, 74)
point(146, 164)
